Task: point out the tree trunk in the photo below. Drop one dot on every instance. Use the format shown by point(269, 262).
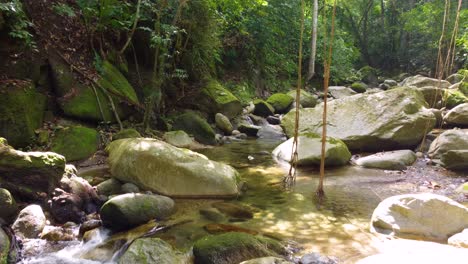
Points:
point(313, 44)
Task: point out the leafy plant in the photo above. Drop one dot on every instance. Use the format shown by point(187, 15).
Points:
point(64, 10)
point(18, 22)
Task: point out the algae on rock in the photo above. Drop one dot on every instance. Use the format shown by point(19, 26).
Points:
point(76, 142)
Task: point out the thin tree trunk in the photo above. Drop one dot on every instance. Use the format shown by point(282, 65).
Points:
point(313, 44)
point(135, 23)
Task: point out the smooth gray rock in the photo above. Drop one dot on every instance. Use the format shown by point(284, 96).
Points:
point(458, 116)
point(391, 160)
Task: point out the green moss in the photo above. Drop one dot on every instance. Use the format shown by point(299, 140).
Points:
point(4, 247)
point(76, 142)
point(195, 125)
point(113, 80)
point(263, 108)
point(217, 99)
point(21, 112)
point(359, 87)
point(126, 133)
point(464, 87)
point(307, 99)
point(280, 102)
point(454, 98)
point(234, 247)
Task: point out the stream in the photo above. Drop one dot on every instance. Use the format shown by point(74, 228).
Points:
point(337, 227)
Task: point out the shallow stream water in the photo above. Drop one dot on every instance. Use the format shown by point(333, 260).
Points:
point(338, 226)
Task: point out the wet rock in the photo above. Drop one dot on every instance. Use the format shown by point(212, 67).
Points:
point(89, 225)
point(234, 210)
point(126, 133)
point(212, 214)
point(8, 205)
point(178, 139)
point(426, 215)
point(130, 188)
point(215, 98)
point(30, 222)
point(75, 142)
point(273, 120)
point(280, 102)
point(460, 239)
point(56, 233)
point(159, 167)
point(150, 250)
point(4, 247)
point(421, 81)
point(263, 108)
point(248, 129)
point(194, 124)
point(130, 210)
point(458, 116)
point(223, 123)
point(266, 260)
point(271, 132)
point(233, 247)
point(30, 174)
point(109, 187)
point(391, 160)
point(307, 100)
point(309, 151)
point(316, 258)
point(392, 119)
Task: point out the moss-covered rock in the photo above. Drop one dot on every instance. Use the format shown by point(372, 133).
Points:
point(129, 210)
point(309, 151)
point(76, 142)
point(126, 133)
point(455, 159)
point(454, 139)
point(178, 139)
point(8, 205)
point(463, 87)
point(280, 102)
point(109, 187)
point(458, 116)
point(21, 111)
point(234, 247)
point(452, 98)
point(4, 247)
point(307, 99)
point(263, 108)
point(223, 123)
point(195, 125)
point(368, 75)
point(112, 80)
point(214, 98)
point(359, 87)
point(151, 250)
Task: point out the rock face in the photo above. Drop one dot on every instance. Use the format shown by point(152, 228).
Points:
point(157, 166)
point(8, 205)
point(309, 151)
point(30, 222)
point(392, 160)
point(215, 98)
point(195, 125)
point(455, 139)
point(178, 138)
point(421, 81)
point(76, 142)
point(263, 108)
point(150, 250)
point(21, 111)
point(223, 123)
point(458, 116)
point(4, 247)
point(420, 215)
point(30, 173)
point(460, 239)
point(233, 247)
point(307, 100)
point(280, 102)
point(387, 120)
point(129, 210)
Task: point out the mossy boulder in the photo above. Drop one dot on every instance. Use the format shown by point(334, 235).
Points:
point(8, 205)
point(368, 75)
point(458, 116)
point(233, 248)
point(359, 87)
point(453, 98)
point(126, 133)
point(178, 139)
point(223, 123)
point(76, 142)
point(307, 99)
point(82, 101)
point(309, 151)
point(281, 102)
point(4, 247)
point(109, 187)
point(263, 108)
point(455, 159)
point(133, 209)
point(463, 87)
point(28, 174)
point(214, 98)
point(195, 125)
point(21, 111)
point(162, 168)
point(151, 250)
point(454, 139)
point(387, 120)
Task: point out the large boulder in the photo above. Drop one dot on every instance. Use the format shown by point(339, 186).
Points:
point(455, 159)
point(8, 205)
point(421, 81)
point(132, 209)
point(21, 111)
point(280, 102)
point(454, 139)
point(150, 250)
point(307, 100)
point(458, 116)
point(359, 87)
point(387, 120)
point(30, 222)
point(262, 108)
point(425, 215)
point(271, 132)
point(392, 160)
point(86, 102)
point(309, 151)
point(234, 247)
point(195, 125)
point(178, 139)
point(214, 98)
point(76, 142)
point(29, 174)
point(223, 123)
point(157, 166)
